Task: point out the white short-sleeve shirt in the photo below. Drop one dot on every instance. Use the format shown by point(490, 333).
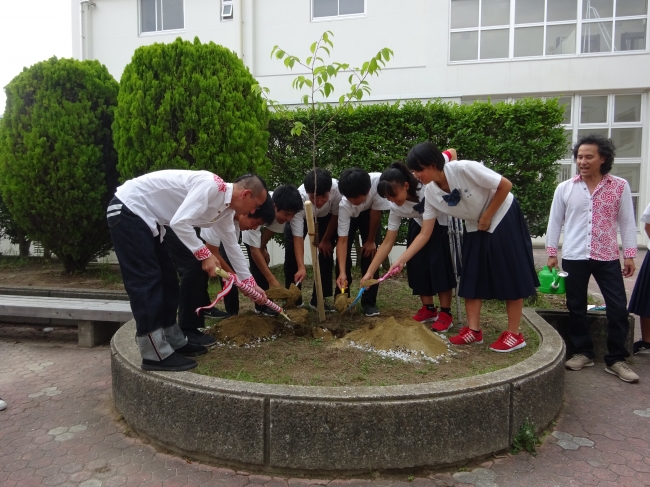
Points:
point(330, 207)
point(407, 210)
point(645, 218)
point(476, 185)
point(347, 210)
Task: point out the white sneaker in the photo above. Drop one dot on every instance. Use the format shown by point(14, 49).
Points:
point(623, 371)
point(578, 361)
point(3, 405)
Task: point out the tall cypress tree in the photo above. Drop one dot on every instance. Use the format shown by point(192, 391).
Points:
point(189, 105)
point(57, 162)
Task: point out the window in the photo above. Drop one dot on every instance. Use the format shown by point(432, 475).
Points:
point(619, 118)
point(337, 8)
point(511, 29)
point(227, 10)
point(160, 15)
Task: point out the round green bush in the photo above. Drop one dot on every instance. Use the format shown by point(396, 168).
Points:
point(57, 162)
point(189, 105)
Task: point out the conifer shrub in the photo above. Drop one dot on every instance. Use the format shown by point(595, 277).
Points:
point(57, 162)
point(189, 105)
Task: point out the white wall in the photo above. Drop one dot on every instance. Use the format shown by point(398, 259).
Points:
point(416, 30)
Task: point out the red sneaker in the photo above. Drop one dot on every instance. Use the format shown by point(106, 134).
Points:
point(466, 336)
point(507, 342)
point(425, 315)
point(443, 323)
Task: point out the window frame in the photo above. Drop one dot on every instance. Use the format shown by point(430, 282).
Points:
point(338, 16)
point(157, 32)
point(231, 16)
point(579, 22)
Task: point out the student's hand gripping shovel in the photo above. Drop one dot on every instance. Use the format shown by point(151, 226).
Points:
point(372, 282)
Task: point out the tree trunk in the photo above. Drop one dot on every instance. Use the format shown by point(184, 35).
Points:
point(23, 244)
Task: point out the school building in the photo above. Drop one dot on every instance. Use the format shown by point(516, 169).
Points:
point(591, 53)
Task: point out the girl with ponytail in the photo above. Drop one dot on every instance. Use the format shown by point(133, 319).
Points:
point(430, 271)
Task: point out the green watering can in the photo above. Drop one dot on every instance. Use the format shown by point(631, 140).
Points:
point(552, 281)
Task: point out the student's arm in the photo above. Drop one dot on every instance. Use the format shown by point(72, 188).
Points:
point(341, 257)
point(369, 247)
point(266, 236)
point(647, 229)
point(222, 262)
point(417, 244)
point(299, 252)
point(325, 245)
point(382, 253)
point(258, 257)
point(503, 189)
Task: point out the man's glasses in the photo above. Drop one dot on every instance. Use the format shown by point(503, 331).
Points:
point(257, 205)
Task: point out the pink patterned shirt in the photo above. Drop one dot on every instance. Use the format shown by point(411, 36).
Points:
point(591, 220)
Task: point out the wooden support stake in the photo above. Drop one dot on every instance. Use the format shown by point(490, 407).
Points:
point(311, 229)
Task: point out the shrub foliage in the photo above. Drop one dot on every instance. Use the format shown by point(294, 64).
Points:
point(189, 105)
point(57, 162)
point(522, 141)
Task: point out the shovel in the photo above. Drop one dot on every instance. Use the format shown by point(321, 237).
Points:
point(232, 279)
point(372, 282)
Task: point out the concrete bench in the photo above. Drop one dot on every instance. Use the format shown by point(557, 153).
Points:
point(97, 319)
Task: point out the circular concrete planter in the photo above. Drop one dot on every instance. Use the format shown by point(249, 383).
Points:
point(338, 429)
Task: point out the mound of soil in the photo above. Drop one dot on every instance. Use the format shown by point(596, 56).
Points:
point(398, 335)
point(342, 302)
point(291, 296)
point(243, 329)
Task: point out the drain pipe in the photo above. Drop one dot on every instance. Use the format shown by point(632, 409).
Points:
point(82, 37)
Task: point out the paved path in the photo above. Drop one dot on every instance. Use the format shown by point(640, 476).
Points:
point(61, 429)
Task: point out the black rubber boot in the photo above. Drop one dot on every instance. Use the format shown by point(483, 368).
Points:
point(174, 363)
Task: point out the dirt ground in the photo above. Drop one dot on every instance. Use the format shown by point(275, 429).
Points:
point(37, 272)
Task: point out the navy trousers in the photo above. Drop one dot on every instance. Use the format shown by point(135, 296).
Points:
point(193, 282)
point(610, 281)
point(326, 264)
point(147, 271)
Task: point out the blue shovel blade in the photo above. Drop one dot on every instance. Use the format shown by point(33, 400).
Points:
point(356, 300)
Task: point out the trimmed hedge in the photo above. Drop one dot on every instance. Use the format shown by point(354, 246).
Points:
point(522, 141)
point(57, 162)
point(189, 105)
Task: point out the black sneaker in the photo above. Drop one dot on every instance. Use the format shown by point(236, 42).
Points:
point(266, 311)
point(197, 337)
point(191, 350)
point(216, 313)
point(174, 363)
point(640, 346)
point(370, 310)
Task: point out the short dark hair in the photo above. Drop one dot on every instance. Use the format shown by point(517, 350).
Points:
point(323, 182)
point(287, 198)
point(606, 149)
point(425, 154)
point(397, 174)
point(354, 182)
point(253, 182)
point(266, 212)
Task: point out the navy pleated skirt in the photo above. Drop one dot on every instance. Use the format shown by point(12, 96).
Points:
point(640, 300)
point(499, 265)
point(430, 271)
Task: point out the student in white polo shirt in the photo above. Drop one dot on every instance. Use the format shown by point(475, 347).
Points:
point(640, 299)
point(326, 198)
point(287, 202)
point(497, 250)
point(136, 218)
point(360, 209)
